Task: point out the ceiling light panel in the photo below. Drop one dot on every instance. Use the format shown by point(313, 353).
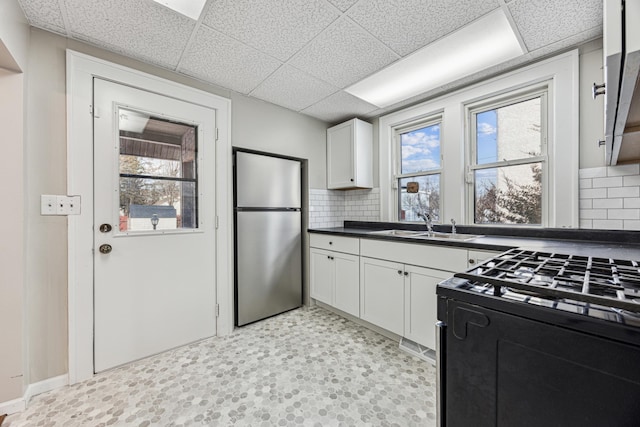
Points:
point(484, 43)
point(190, 8)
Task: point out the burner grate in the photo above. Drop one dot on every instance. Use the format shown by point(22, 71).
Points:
point(607, 282)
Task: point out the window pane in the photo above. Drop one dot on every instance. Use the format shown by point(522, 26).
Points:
point(420, 149)
point(158, 177)
point(142, 200)
point(509, 132)
point(426, 200)
point(509, 195)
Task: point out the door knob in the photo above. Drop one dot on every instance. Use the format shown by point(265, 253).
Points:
point(105, 228)
point(105, 249)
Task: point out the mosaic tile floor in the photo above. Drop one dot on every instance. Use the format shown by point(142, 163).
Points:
point(307, 367)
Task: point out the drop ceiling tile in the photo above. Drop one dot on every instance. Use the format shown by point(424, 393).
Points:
point(278, 28)
point(343, 54)
point(343, 5)
point(339, 107)
point(45, 14)
point(544, 22)
point(141, 29)
point(567, 43)
point(293, 89)
point(408, 25)
point(219, 59)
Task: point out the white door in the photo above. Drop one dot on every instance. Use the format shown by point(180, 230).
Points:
point(154, 224)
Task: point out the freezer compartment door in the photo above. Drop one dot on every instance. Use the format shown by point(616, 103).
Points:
point(267, 182)
point(269, 264)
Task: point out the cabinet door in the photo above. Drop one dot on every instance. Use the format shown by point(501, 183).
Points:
point(340, 156)
point(322, 274)
point(382, 294)
point(420, 314)
point(347, 283)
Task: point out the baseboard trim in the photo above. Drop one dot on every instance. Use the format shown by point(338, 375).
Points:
point(20, 404)
point(13, 406)
point(45, 386)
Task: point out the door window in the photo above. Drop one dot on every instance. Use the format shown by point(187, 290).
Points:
point(158, 173)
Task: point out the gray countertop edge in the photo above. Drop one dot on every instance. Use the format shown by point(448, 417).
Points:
point(502, 243)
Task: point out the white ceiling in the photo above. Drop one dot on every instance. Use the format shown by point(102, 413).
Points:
point(301, 54)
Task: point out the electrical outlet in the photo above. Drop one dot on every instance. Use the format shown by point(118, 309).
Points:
point(48, 204)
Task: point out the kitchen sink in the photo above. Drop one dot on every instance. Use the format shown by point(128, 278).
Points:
point(425, 235)
point(450, 236)
point(399, 233)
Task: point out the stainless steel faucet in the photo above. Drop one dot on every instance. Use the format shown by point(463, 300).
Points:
point(453, 226)
point(427, 220)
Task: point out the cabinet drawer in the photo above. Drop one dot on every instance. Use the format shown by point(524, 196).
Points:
point(331, 242)
point(431, 256)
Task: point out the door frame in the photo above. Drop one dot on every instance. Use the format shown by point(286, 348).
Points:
point(81, 69)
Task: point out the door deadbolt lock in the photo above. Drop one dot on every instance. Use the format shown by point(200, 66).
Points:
point(105, 249)
point(105, 228)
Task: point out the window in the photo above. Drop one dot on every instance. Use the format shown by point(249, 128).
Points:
point(419, 160)
point(158, 177)
point(508, 160)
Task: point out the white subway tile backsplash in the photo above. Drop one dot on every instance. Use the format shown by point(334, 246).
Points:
point(607, 203)
point(623, 192)
point(615, 181)
point(631, 225)
point(586, 183)
point(631, 181)
point(623, 170)
point(586, 203)
point(593, 214)
point(608, 224)
point(586, 223)
point(593, 172)
point(610, 197)
point(623, 214)
point(330, 208)
point(593, 193)
point(632, 203)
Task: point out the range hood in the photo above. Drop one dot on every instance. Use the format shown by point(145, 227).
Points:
point(622, 71)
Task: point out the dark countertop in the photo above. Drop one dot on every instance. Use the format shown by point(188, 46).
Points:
point(598, 243)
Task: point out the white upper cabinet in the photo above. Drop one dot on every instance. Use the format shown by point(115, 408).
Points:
point(350, 155)
point(622, 69)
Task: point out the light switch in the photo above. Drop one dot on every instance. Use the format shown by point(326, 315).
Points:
point(48, 204)
point(68, 205)
point(59, 205)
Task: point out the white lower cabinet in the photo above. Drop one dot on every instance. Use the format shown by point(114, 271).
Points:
point(322, 275)
point(420, 304)
point(335, 276)
point(382, 294)
point(389, 284)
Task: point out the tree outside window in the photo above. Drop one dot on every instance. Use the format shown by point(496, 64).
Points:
point(509, 156)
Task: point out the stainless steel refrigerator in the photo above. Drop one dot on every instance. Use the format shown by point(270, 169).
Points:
point(268, 238)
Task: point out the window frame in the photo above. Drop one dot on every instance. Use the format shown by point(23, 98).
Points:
point(542, 91)
point(436, 119)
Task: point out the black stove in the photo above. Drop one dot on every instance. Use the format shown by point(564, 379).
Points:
point(604, 288)
point(530, 338)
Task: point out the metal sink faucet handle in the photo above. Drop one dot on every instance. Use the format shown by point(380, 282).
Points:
point(453, 226)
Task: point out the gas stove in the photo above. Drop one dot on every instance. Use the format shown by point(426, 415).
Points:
point(603, 288)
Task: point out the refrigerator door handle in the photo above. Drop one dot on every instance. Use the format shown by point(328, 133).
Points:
point(440, 362)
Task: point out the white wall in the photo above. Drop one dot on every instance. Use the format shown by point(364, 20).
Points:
point(255, 124)
point(261, 126)
point(14, 36)
point(14, 39)
point(11, 236)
